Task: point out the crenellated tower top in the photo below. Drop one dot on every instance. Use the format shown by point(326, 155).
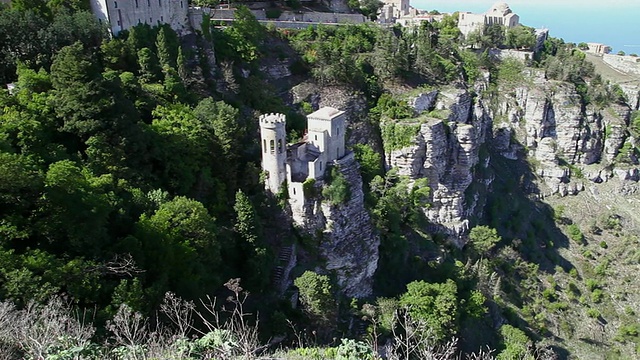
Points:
point(272, 120)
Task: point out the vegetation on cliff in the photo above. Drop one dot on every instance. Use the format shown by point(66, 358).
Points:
point(130, 185)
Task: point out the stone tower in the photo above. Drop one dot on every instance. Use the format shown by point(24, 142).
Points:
point(273, 137)
point(326, 132)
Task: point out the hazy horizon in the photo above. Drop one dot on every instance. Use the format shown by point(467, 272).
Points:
point(613, 22)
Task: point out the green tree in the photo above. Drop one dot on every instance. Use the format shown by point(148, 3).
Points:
point(75, 211)
point(316, 296)
point(183, 146)
point(515, 344)
point(149, 65)
point(483, 239)
point(520, 37)
point(370, 162)
point(181, 235)
point(252, 248)
point(434, 304)
point(493, 35)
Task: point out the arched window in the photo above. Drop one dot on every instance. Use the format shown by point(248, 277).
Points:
point(279, 146)
point(272, 146)
point(264, 145)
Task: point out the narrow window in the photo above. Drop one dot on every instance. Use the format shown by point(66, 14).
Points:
point(136, 3)
point(338, 131)
point(320, 165)
point(115, 4)
point(316, 137)
point(151, 20)
point(181, 5)
point(294, 191)
point(264, 145)
point(272, 146)
point(279, 146)
point(160, 3)
point(162, 18)
point(149, 3)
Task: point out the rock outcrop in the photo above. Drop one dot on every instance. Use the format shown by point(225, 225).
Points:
point(347, 240)
point(548, 119)
point(446, 152)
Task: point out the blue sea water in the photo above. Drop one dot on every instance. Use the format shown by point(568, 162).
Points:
point(612, 22)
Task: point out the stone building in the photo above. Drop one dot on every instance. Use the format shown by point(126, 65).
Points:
point(393, 9)
point(599, 49)
point(500, 13)
point(123, 14)
point(295, 163)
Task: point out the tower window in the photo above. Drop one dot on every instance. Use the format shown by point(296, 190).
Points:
point(162, 18)
point(294, 191)
point(149, 3)
point(320, 165)
point(264, 145)
point(160, 3)
point(151, 20)
point(272, 146)
point(279, 146)
point(115, 4)
point(181, 5)
point(136, 3)
point(316, 137)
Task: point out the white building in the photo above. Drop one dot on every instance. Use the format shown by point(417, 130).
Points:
point(123, 14)
point(500, 14)
point(392, 10)
point(309, 158)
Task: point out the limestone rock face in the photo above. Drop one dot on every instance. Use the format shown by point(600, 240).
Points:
point(547, 118)
point(276, 70)
point(633, 95)
point(424, 102)
point(348, 242)
point(446, 152)
point(615, 119)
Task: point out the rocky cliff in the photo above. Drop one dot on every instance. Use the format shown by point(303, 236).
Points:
point(347, 241)
point(446, 151)
point(546, 122)
point(543, 122)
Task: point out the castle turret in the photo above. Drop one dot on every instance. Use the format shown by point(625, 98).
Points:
point(326, 132)
point(273, 136)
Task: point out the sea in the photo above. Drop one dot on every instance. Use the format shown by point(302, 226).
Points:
point(612, 22)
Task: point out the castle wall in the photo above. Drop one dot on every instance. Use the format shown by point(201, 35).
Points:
point(124, 14)
point(468, 22)
point(626, 64)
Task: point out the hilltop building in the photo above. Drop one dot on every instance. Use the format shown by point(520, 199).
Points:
point(500, 13)
point(599, 49)
point(124, 14)
point(295, 163)
point(393, 9)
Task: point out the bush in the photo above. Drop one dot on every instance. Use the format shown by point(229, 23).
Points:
point(575, 234)
point(597, 295)
point(309, 188)
point(350, 349)
point(337, 191)
point(593, 313)
point(273, 13)
point(592, 284)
